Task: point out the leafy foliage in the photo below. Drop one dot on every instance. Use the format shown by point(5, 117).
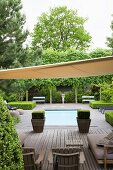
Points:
point(69, 97)
point(10, 149)
point(109, 117)
point(83, 114)
point(97, 104)
point(107, 92)
point(25, 105)
point(60, 29)
point(51, 56)
point(12, 35)
point(110, 39)
point(100, 53)
point(38, 114)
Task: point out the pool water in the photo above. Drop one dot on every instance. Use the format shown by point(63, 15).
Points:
point(61, 117)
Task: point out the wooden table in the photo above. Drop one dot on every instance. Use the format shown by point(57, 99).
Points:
point(78, 143)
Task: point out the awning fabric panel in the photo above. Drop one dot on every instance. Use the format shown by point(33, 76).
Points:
point(81, 68)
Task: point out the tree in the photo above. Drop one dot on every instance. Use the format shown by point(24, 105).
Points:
point(60, 29)
point(110, 39)
point(12, 34)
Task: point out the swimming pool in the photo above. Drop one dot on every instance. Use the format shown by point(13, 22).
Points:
point(61, 117)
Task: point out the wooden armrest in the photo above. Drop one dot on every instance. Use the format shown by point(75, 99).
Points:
point(65, 154)
point(108, 146)
point(50, 157)
point(28, 149)
point(30, 153)
point(82, 157)
point(40, 157)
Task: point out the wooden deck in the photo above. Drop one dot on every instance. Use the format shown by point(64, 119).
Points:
point(56, 137)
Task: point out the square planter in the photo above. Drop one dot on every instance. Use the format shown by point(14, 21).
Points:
point(83, 125)
point(38, 120)
point(83, 120)
point(38, 125)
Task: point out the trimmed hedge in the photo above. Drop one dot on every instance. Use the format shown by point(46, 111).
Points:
point(10, 148)
point(23, 105)
point(83, 114)
point(97, 104)
point(38, 114)
point(109, 117)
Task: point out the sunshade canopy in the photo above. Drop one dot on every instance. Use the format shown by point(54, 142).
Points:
point(81, 68)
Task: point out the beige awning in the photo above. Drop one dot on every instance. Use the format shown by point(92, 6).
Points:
point(81, 68)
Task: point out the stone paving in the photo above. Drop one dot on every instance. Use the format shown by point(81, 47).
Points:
point(97, 118)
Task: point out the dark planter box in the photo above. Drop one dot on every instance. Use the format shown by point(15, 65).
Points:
point(38, 125)
point(83, 125)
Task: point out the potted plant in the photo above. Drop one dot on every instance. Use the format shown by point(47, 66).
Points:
point(83, 120)
point(38, 119)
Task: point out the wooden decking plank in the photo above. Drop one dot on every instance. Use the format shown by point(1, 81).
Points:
point(47, 141)
point(52, 144)
point(52, 137)
point(56, 136)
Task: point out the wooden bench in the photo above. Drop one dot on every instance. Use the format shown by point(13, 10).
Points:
point(102, 109)
point(87, 98)
point(40, 99)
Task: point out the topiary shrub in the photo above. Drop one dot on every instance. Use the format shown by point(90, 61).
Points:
point(10, 149)
point(97, 104)
point(38, 114)
point(109, 117)
point(83, 114)
point(25, 105)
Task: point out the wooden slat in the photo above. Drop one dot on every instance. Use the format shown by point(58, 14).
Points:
point(55, 137)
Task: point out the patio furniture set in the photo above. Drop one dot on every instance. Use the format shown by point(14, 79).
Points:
point(72, 154)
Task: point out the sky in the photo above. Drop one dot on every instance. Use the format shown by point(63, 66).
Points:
point(98, 12)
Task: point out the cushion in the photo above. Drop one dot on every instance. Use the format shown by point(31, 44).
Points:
point(110, 136)
point(105, 140)
point(98, 152)
point(110, 150)
point(21, 111)
point(14, 113)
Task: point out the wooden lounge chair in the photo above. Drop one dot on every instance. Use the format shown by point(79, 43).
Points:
point(31, 160)
point(67, 158)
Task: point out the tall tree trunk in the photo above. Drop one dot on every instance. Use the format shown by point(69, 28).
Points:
point(50, 96)
point(26, 95)
point(100, 93)
point(76, 99)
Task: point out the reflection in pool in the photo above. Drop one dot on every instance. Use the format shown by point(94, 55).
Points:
point(61, 117)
